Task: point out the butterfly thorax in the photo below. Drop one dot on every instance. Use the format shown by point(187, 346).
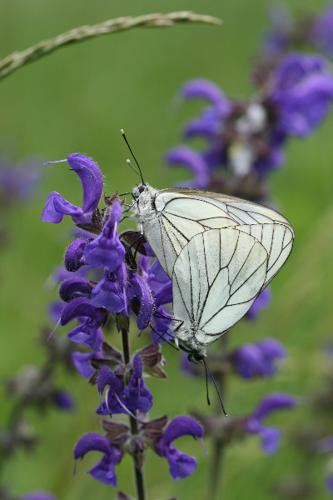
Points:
point(144, 203)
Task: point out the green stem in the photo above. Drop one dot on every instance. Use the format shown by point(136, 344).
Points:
point(14, 61)
point(138, 473)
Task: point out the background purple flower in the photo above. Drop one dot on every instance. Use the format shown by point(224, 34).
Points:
point(180, 464)
point(270, 436)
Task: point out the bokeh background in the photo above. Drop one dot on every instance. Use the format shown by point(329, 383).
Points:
point(77, 100)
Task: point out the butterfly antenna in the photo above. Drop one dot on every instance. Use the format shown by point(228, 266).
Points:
point(218, 393)
point(207, 381)
point(132, 154)
point(129, 164)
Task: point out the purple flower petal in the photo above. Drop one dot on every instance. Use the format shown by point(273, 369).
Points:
point(193, 161)
point(271, 349)
point(87, 333)
point(80, 307)
point(82, 363)
point(248, 361)
point(91, 179)
point(72, 288)
point(181, 465)
point(270, 439)
point(91, 442)
point(182, 426)
point(74, 255)
point(110, 293)
point(63, 400)
point(259, 304)
point(302, 93)
point(104, 471)
point(139, 289)
point(56, 207)
point(272, 403)
point(207, 90)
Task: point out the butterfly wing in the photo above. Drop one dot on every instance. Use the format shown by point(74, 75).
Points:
point(216, 279)
point(184, 214)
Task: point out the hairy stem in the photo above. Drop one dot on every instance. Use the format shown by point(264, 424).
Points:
point(218, 444)
point(138, 473)
point(14, 61)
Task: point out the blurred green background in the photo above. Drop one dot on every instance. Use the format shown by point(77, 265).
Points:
point(77, 100)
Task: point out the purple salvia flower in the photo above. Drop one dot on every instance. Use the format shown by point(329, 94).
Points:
point(119, 398)
point(74, 255)
point(56, 207)
point(252, 360)
point(322, 31)
point(270, 436)
point(183, 155)
point(106, 250)
point(104, 471)
point(261, 302)
point(302, 93)
point(180, 464)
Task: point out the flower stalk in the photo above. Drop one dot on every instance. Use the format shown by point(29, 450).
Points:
point(18, 59)
point(138, 472)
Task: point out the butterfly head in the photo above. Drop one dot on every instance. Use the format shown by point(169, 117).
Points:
point(144, 202)
point(196, 356)
point(140, 191)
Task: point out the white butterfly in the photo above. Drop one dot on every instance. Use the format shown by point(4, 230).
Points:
point(219, 251)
